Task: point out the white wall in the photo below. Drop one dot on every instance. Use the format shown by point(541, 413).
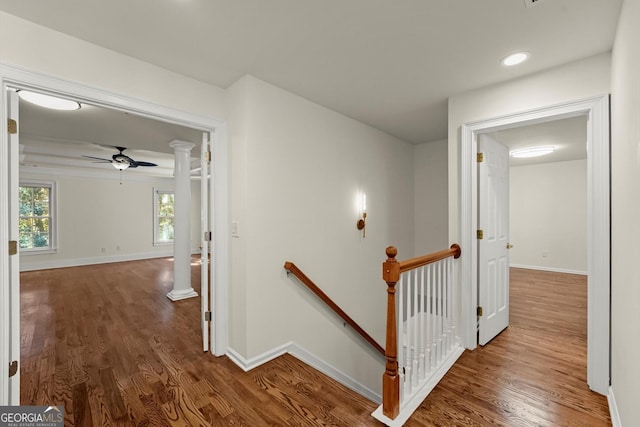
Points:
point(430, 198)
point(548, 214)
point(625, 212)
point(97, 212)
point(296, 171)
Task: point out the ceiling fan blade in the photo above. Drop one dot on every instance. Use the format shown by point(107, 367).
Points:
point(135, 164)
point(98, 158)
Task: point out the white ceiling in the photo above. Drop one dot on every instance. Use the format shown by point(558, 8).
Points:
point(60, 139)
point(567, 136)
point(390, 64)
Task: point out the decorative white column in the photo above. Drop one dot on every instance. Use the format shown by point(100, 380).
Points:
point(182, 223)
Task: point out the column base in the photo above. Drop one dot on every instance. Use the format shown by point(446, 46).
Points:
point(182, 294)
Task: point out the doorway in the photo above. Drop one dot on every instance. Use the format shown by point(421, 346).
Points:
point(543, 220)
point(597, 112)
point(10, 76)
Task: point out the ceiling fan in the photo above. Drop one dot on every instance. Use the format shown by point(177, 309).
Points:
point(121, 161)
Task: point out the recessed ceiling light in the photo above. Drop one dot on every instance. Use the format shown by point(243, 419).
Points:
point(531, 152)
point(48, 101)
point(515, 59)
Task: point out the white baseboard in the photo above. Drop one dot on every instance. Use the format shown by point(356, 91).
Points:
point(310, 359)
point(77, 262)
point(555, 270)
point(613, 409)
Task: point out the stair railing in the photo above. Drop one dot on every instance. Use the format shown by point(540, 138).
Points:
point(421, 341)
point(293, 269)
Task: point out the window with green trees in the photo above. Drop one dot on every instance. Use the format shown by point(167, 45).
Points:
point(163, 216)
point(36, 212)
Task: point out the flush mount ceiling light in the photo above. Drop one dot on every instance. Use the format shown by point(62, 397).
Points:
point(515, 59)
point(524, 153)
point(48, 101)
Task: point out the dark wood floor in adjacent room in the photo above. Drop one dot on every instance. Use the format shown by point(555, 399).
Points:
point(105, 342)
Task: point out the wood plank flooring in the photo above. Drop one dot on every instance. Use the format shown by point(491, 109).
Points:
point(534, 373)
point(105, 342)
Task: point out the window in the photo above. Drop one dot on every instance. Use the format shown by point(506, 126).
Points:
point(163, 217)
point(37, 217)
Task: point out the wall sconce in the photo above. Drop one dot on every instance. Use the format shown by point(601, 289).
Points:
point(362, 222)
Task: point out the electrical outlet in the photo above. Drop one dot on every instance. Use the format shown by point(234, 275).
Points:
point(545, 254)
point(103, 250)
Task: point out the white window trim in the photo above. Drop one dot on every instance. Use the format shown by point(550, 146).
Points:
point(53, 218)
point(156, 240)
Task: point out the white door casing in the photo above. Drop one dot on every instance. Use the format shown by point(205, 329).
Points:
point(204, 239)
point(14, 260)
point(208, 263)
point(493, 249)
point(599, 235)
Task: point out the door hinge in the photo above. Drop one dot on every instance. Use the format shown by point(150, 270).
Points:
point(207, 236)
point(207, 316)
point(480, 234)
point(13, 247)
point(12, 126)
point(13, 368)
point(207, 156)
point(479, 311)
point(480, 157)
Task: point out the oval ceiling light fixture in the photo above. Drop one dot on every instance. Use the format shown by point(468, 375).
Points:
point(515, 59)
point(48, 101)
point(524, 153)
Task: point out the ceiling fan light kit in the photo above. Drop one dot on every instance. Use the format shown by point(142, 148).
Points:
point(121, 161)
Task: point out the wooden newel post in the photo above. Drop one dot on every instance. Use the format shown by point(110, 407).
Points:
point(390, 378)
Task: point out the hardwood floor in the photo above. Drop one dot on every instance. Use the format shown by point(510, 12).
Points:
point(534, 373)
point(105, 342)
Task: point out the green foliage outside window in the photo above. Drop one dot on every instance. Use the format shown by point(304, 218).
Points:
point(165, 216)
point(35, 217)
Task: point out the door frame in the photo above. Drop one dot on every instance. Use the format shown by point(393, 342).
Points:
point(598, 223)
point(27, 79)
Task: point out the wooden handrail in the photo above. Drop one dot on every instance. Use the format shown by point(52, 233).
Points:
point(291, 267)
point(416, 262)
point(391, 270)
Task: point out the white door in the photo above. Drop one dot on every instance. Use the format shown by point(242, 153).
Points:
point(493, 245)
point(206, 268)
point(14, 260)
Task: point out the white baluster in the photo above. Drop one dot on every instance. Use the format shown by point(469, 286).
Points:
point(438, 297)
point(427, 311)
point(414, 338)
point(454, 312)
point(408, 377)
point(423, 319)
point(439, 312)
point(400, 334)
point(434, 318)
point(451, 318)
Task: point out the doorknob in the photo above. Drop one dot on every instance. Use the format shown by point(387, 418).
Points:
point(509, 245)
